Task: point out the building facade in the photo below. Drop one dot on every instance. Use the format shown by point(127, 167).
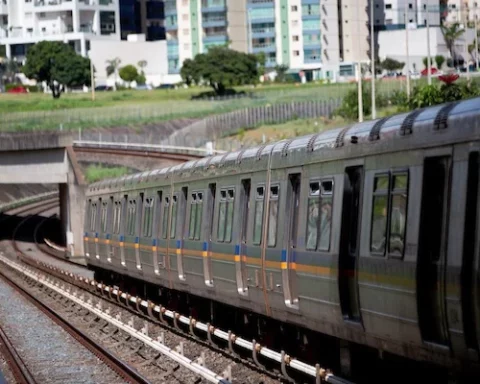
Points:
point(287, 32)
point(77, 22)
point(145, 17)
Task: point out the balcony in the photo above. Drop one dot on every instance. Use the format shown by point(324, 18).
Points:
point(270, 62)
point(208, 22)
point(263, 32)
point(214, 38)
point(309, 2)
point(264, 47)
point(261, 4)
point(3, 7)
point(209, 6)
point(312, 59)
point(172, 50)
point(312, 45)
point(170, 8)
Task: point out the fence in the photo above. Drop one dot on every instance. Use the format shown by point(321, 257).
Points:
point(126, 114)
point(214, 127)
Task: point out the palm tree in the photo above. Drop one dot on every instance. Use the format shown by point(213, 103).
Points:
point(451, 34)
point(142, 64)
point(112, 68)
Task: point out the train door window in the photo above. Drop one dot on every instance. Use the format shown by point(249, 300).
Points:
point(147, 221)
point(173, 224)
point(319, 220)
point(389, 212)
point(166, 212)
point(273, 216)
point(198, 223)
point(230, 212)
point(245, 203)
point(225, 216)
point(93, 216)
point(258, 223)
point(196, 210)
point(104, 216)
point(379, 214)
point(131, 211)
point(211, 209)
point(158, 214)
point(117, 216)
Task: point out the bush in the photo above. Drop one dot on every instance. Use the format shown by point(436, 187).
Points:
point(397, 98)
point(349, 107)
point(30, 88)
point(426, 96)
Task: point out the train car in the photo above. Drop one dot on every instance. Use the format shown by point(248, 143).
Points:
point(367, 233)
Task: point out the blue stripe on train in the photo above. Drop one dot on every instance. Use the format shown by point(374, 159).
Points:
point(179, 244)
point(284, 255)
point(108, 236)
point(237, 249)
point(86, 234)
point(154, 242)
point(96, 234)
point(137, 239)
point(205, 246)
point(122, 237)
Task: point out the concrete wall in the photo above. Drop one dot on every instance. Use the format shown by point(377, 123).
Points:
point(237, 24)
point(154, 52)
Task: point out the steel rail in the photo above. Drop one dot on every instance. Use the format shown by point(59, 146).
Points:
point(19, 369)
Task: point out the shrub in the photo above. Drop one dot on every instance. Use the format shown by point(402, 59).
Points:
point(426, 96)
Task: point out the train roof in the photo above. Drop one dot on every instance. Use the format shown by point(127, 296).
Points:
point(419, 121)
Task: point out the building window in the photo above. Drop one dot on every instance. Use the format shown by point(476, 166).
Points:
point(186, 32)
point(185, 17)
point(294, 23)
point(294, 8)
point(296, 53)
point(186, 47)
point(388, 6)
point(295, 38)
point(410, 6)
point(185, 3)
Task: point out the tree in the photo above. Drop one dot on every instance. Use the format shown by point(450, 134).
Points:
point(142, 65)
point(425, 61)
point(281, 73)
point(391, 65)
point(128, 73)
point(58, 65)
point(8, 70)
point(221, 67)
point(439, 60)
point(112, 69)
point(261, 63)
point(450, 35)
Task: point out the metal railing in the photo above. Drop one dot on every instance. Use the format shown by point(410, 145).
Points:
point(26, 200)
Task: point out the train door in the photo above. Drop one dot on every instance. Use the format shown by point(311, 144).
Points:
point(207, 261)
point(242, 249)
point(470, 261)
point(292, 212)
point(431, 267)
point(349, 243)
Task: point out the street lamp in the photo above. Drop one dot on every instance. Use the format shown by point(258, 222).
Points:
point(92, 75)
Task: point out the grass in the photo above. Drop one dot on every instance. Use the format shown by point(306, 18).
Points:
point(95, 173)
point(133, 108)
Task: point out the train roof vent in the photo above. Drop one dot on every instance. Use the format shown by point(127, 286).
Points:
point(407, 125)
point(285, 147)
point(311, 142)
point(375, 131)
point(441, 120)
point(240, 156)
point(258, 156)
point(340, 141)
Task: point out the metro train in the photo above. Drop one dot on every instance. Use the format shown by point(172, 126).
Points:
point(368, 233)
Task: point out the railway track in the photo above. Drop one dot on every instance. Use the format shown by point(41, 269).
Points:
point(158, 330)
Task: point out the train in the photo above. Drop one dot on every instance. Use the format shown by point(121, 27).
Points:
point(367, 233)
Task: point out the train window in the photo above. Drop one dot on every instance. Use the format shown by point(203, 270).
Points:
point(398, 214)
point(104, 216)
point(131, 212)
point(166, 211)
point(173, 224)
point(319, 220)
point(258, 223)
point(147, 217)
point(379, 214)
point(225, 216)
point(196, 210)
point(273, 216)
point(93, 216)
point(117, 216)
point(389, 212)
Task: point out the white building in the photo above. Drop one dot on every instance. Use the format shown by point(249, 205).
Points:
point(392, 14)
point(78, 22)
point(131, 52)
point(417, 46)
point(463, 11)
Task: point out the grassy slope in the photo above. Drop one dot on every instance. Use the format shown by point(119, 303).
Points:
point(95, 173)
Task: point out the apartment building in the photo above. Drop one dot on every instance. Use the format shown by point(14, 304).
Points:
point(392, 14)
point(463, 11)
point(288, 32)
point(26, 22)
point(145, 17)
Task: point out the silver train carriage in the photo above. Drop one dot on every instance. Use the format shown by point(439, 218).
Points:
point(368, 233)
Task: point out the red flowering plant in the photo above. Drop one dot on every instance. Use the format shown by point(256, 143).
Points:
point(450, 90)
